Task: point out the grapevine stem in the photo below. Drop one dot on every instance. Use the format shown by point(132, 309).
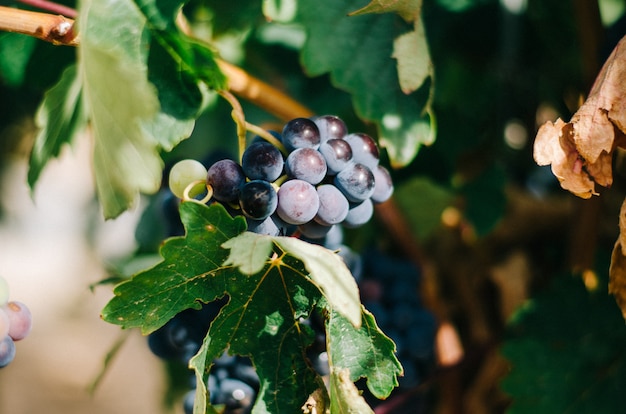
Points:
point(267, 136)
point(52, 7)
point(239, 118)
point(45, 26)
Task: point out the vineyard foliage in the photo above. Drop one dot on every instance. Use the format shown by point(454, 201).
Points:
point(453, 91)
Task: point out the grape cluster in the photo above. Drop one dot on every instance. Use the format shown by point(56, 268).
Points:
point(389, 289)
point(15, 324)
point(324, 177)
point(232, 382)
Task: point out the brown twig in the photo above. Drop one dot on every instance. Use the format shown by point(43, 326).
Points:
point(52, 28)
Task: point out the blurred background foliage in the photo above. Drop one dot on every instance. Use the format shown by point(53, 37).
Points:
point(493, 230)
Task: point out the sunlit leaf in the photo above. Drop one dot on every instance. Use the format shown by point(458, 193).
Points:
point(60, 117)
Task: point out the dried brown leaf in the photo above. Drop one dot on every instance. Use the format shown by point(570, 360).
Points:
point(617, 277)
point(581, 151)
point(617, 271)
point(555, 146)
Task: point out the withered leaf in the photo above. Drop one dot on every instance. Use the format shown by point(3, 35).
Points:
point(581, 151)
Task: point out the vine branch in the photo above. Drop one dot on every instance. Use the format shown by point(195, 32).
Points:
point(58, 30)
point(55, 29)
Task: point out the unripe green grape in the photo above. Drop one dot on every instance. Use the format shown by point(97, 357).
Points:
point(184, 173)
point(4, 291)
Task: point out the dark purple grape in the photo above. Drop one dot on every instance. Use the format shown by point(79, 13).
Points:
point(356, 182)
point(359, 214)
point(234, 394)
point(7, 351)
point(330, 127)
point(306, 164)
point(364, 149)
point(337, 154)
point(258, 199)
point(225, 177)
point(271, 226)
point(383, 185)
point(333, 207)
point(314, 230)
point(301, 133)
point(262, 161)
point(297, 202)
point(173, 341)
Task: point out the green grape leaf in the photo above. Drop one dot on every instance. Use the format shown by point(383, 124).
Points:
point(345, 397)
point(357, 52)
point(272, 284)
point(363, 352)
point(151, 298)
point(409, 10)
point(60, 117)
point(195, 59)
point(261, 320)
point(566, 351)
point(121, 104)
point(160, 13)
point(414, 64)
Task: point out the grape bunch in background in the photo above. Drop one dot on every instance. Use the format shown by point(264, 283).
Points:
point(309, 178)
point(15, 324)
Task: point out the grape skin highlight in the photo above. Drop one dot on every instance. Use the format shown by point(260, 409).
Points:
point(297, 202)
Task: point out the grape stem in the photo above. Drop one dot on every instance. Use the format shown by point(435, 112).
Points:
point(209, 192)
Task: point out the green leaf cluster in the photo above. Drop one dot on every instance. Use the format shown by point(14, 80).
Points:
point(139, 83)
point(566, 350)
point(272, 285)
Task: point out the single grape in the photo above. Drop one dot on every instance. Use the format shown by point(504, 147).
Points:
point(297, 202)
point(364, 149)
point(262, 161)
point(271, 226)
point(176, 340)
point(306, 164)
point(334, 238)
point(7, 351)
point(330, 127)
point(333, 207)
point(226, 177)
point(4, 291)
point(352, 259)
point(314, 230)
point(244, 371)
point(301, 133)
point(337, 154)
point(258, 199)
point(235, 394)
point(184, 173)
point(20, 320)
point(5, 323)
point(383, 185)
point(359, 214)
point(356, 182)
